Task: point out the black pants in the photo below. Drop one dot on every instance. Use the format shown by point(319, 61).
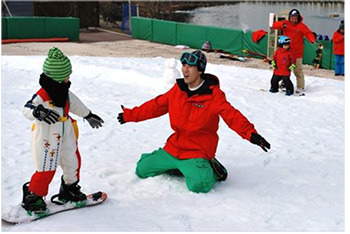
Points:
point(286, 80)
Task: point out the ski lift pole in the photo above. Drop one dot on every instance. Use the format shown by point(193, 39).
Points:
point(7, 8)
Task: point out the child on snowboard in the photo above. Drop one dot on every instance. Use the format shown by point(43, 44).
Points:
point(55, 134)
point(283, 63)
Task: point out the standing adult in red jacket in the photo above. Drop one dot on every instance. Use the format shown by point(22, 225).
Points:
point(338, 49)
point(194, 105)
point(296, 30)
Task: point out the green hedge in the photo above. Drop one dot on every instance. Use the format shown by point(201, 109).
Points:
point(229, 40)
point(40, 27)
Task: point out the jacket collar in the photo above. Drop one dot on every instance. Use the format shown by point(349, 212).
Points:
point(207, 88)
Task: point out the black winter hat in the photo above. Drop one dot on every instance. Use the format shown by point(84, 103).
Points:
point(295, 12)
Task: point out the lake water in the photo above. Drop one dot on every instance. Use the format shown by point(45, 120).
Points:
point(254, 16)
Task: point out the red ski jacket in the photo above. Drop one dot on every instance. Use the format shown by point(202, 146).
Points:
point(283, 59)
point(338, 40)
point(296, 33)
point(195, 119)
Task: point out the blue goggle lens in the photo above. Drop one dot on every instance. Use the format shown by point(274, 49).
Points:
point(188, 58)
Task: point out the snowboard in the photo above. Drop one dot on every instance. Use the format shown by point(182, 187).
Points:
point(295, 94)
point(17, 214)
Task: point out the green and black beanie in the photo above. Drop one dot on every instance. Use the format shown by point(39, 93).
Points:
point(57, 66)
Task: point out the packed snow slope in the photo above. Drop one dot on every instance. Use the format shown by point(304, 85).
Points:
point(297, 186)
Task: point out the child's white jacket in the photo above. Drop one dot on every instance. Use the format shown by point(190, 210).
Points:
point(56, 144)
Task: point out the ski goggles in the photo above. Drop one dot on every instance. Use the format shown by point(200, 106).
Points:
point(188, 58)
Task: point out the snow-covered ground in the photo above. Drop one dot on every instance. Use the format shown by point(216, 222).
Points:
point(297, 186)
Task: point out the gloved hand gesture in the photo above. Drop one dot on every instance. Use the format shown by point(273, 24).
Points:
point(94, 120)
point(46, 115)
point(291, 67)
point(273, 64)
point(121, 116)
point(260, 141)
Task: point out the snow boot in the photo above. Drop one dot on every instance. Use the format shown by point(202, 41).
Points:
point(68, 193)
point(32, 202)
point(289, 93)
point(219, 169)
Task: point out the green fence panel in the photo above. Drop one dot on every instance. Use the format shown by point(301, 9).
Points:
point(164, 32)
point(4, 28)
point(310, 53)
point(25, 27)
point(327, 54)
point(229, 40)
point(332, 58)
point(260, 46)
point(62, 27)
point(193, 36)
point(332, 61)
point(141, 28)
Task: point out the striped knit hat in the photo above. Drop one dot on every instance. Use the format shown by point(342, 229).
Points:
point(57, 66)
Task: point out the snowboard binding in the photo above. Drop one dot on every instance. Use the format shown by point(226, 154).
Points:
point(69, 193)
point(33, 203)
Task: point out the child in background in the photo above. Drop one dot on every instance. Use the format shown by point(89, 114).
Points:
point(283, 63)
point(55, 134)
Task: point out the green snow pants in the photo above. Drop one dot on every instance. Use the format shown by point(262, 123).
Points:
point(199, 175)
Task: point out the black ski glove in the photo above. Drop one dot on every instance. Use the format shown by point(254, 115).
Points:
point(260, 141)
point(121, 116)
point(94, 120)
point(46, 115)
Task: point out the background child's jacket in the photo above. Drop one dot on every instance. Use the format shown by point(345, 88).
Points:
point(283, 59)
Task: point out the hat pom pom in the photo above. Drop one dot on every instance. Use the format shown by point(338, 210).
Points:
point(55, 53)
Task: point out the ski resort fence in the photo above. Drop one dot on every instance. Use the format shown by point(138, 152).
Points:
point(233, 41)
point(40, 27)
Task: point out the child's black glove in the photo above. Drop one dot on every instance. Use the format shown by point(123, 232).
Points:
point(260, 141)
point(94, 120)
point(46, 115)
